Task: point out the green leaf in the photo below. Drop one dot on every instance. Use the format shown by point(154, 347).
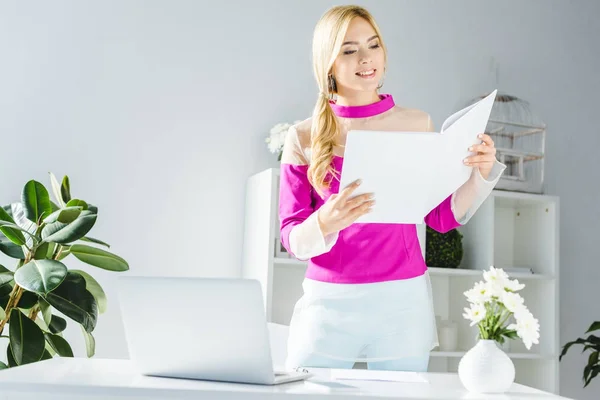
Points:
point(28, 300)
point(10, 249)
point(2, 313)
point(10, 358)
point(593, 339)
point(54, 206)
point(4, 301)
point(13, 232)
point(57, 324)
point(50, 350)
point(99, 258)
point(47, 355)
point(593, 359)
point(41, 276)
point(14, 235)
point(36, 201)
point(92, 240)
point(56, 190)
point(46, 310)
point(78, 203)
point(6, 280)
point(594, 371)
point(42, 324)
point(513, 335)
point(594, 347)
point(26, 338)
point(93, 209)
point(3, 366)
point(64, 253)
point(65, 189)
point(569, 344)
point(60, 345)
point(94, 288)
point(73, 300)
point(593, 327)
point(66, 233)
point(65, 215)
point(90, 342)
point(41, 252)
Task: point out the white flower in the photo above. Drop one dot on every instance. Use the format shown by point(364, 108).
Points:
point(476, 313)
point(527, 327)
point(513, 285)
point(496, 280)
point(479, 294)
point(512, 301)
point(277, 135)
point(495, 275)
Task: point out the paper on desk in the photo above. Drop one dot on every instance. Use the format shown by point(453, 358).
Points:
point(411, 173)
point(377, 375)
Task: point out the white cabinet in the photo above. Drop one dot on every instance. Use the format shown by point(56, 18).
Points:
point(510, 230)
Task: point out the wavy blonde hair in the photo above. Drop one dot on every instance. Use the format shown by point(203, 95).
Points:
point(328, 38)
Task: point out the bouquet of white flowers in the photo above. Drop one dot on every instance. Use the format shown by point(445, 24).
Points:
point(494, 302)
point(276, 138)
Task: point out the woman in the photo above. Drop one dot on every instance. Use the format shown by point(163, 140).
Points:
point(366, 289)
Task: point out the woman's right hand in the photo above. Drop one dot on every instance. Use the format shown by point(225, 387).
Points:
point(340, 210)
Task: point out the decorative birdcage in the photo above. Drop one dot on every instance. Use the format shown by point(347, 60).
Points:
point(519, 136)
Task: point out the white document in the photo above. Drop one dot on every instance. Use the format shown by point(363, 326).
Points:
point(410, 173)
point(376, 375)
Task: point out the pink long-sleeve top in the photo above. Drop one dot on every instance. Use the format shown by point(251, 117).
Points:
point(363, 252)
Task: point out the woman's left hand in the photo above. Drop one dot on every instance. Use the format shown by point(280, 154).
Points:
point(485, 156)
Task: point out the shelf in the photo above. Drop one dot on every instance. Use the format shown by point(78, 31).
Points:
point(510, 229)
point(433, 271)
point(522, 356)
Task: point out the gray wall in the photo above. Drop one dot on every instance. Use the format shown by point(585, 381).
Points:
point(157, 110)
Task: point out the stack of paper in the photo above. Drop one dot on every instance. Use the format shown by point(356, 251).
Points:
point(410, 173)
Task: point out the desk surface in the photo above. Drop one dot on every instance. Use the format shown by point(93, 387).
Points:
point(81, 378)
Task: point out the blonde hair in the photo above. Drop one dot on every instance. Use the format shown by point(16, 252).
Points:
point(328, 38)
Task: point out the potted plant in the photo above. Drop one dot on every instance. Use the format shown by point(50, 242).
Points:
point(443, 250)
point(40, 234)
point(591, 343)
point(494, 303)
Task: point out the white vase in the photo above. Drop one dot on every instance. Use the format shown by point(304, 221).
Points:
point(486, 369)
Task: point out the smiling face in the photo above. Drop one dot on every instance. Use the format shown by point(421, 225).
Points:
point(359, 67)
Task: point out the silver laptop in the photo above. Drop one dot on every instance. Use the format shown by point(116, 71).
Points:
point(199, 328)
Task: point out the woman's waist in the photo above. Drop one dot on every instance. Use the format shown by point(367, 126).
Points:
point(388, 289)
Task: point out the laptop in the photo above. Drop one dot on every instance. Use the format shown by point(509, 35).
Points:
point(199, 328)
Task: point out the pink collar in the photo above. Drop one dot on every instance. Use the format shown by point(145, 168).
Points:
point(368, 110)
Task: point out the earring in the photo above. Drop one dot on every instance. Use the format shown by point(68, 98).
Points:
point(332, 86)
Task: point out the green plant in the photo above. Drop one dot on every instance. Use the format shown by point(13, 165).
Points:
point(443, 250)
point(592, 343)
point(40, 235)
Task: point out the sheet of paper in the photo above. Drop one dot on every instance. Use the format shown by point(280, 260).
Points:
point(411, 173)
point(376, 375)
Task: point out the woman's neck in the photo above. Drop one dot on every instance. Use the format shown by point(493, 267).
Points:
point(357, 98)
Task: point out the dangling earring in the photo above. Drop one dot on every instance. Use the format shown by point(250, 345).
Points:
point(331, 86)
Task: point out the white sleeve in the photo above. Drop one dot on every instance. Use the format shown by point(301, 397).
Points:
point(307, 240)
point(469, 197)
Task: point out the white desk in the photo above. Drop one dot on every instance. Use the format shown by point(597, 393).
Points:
point(81, 378)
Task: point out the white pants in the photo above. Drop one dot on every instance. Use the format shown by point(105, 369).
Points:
point(389, 325)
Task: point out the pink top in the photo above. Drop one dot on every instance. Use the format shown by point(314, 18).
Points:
point(363, 252)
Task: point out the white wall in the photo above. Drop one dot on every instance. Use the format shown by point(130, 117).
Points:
point(157, 110)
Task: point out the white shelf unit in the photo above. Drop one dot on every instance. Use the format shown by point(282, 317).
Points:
point(509, 230)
